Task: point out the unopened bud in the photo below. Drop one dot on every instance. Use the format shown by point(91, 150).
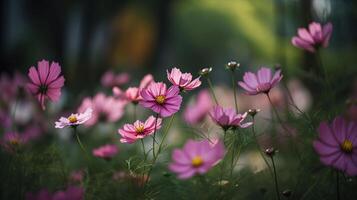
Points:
point(253, 112)
point(205, 71)
point(270, 151)
point(232, 65)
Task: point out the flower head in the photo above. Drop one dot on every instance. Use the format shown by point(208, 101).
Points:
point(139, 130)
point(106, 152)
point(71, 193)
point(46, 82)
point(196, 112)
point(196, 157)
point(183, 80)
point(337, 145)
point(104, 108)
point(314, 37)
point(132, 94)
point(164, 101)
point(228, 118)
point(74, 119)
point(110, 79)
point(260, 83)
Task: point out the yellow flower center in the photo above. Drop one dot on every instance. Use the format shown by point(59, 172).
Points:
point(72, 119)
point(14, 142)
point(347, 146)
point(139, 129)
point(197, 161)
point(160, 99)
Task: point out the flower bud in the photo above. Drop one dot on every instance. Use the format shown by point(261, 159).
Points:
point(205, 71)
point(270, 151)
point(253, 112)
point(287, 193)
point(232, 65)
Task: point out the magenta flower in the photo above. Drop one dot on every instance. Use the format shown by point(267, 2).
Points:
point(106, 152)
point(260, 83)
point(337, 145)
point(312, 39)
point(163, 101)
point(183, 80)
point(196, 112)
point(196, 157)
point(43, 194)
point(139, 130)
point(74, 119)
point(46, 81)
point(104, 108)
point(228, 118)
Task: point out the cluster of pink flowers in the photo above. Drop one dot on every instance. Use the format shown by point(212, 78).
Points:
point(104, 107)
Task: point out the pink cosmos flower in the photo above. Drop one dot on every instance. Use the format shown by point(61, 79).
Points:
point(337, 145)
point(110, 79)
point(107, 151)
point(196, 157)
point(312, 39)
point(196, 112)
point(132, 94)
point(104, 107)
point(260, 83)
point(228, 118)
point(12, 140)
point(46, 81)
point(164, 101)
point(43, 194)
point(76, 176)
point(74, 119)
point(139, 130)
point(183, 80)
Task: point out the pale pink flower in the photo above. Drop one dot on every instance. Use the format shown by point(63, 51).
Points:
point(183, 80)
point(74, 119)
point(104, 108)
point(107, 151)
point(110, 79)
point(46, 82)
point(163, 101)
point(132, 94)
point(196, 157)
point(196, 112)
point(228, 118)
point(260, 83)
point(139, 130)
point(314, 37)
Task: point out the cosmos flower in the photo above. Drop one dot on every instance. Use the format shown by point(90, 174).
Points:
point(314, 37)
point(46, 82)
point(260, 83)
point(196, 157)
point(71, 193)
point(163, 101)
point(106, 152)
point(139, 130)
point(337, 145)
point(43, 194)
point(104, 107)
point(183, 80)
point(228, 118)
point(196, 112)
point(110, 79)
point(74, 119)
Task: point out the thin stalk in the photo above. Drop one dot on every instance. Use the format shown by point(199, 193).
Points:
point(160, 148)
point(338, 185)
point(222, 163)
point(259, 150)
point(212, 91)
point(154, 136)
point(134, 112)
point(274, 109)
point(79, 141)
point(275, 179)
point(234, 92)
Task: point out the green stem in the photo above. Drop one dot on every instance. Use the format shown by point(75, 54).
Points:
point(212, 91)
point(258, 147)
point(79, 141)
point(154, 136)
point(234, 92)
point(275, 179)
point(338, 185)
point(159, 148)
